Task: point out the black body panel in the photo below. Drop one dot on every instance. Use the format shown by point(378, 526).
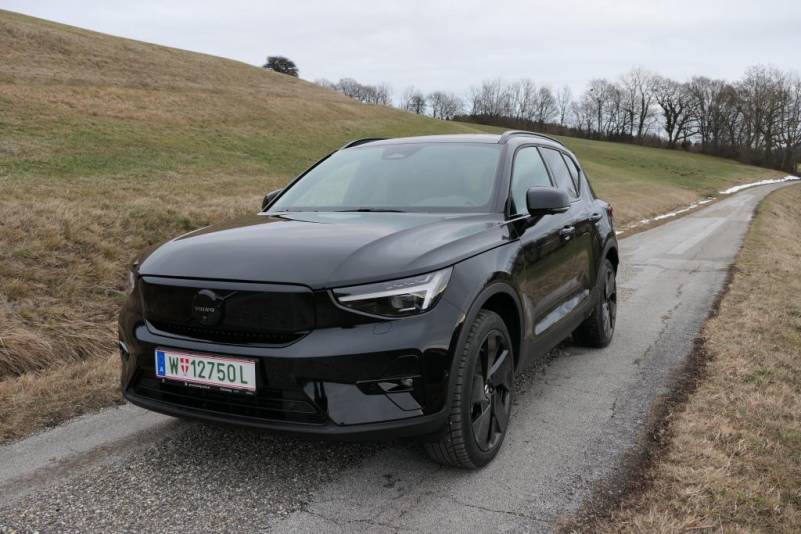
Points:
point(261, 288)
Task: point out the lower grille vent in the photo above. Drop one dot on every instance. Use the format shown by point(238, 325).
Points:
point(227, 336)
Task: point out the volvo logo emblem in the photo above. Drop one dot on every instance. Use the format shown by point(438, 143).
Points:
point(207, 307)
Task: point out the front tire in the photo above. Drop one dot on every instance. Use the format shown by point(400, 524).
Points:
point(481, 402)
point(597, 330)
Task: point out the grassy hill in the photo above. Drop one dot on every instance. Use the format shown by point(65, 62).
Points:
point(108, 145)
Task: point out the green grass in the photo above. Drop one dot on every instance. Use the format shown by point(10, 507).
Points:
point(634, 165)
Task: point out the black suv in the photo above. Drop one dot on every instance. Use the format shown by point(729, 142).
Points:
point(392, 289)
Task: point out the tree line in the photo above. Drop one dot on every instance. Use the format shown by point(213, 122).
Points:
point(756, 119)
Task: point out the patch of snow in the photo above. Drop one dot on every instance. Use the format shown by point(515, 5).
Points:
point(736, 188)
point(667, 215)
point(707, 200)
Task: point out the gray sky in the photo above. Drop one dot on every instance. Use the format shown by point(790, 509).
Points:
point(437, 44)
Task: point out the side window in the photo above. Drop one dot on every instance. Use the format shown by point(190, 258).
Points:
point(559, 169)
point(528, 171)
point(574, 171)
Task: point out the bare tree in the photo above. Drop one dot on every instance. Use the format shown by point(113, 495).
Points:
point(436, 101)
point(383, 94)
point(413, 100)
point(492, 98)
point(674, 101)
point(564, 99)
point(761, 95)
point(380, 94)
point(545, 108)
point(756, 119)
point(606, 100)
point(790, 125)
point(583, 116)
point(714, 111)
point(523, 99)
point(445, 105)
point(637, 100)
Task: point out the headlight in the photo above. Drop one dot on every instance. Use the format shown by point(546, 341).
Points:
point(396, 298)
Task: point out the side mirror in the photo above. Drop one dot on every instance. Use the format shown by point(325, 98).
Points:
point(269, 198)
point(546, 200)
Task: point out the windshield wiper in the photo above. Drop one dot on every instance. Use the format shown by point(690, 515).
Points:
point(369, 210)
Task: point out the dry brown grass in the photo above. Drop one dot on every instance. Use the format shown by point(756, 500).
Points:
point(37, 400)
point(733, 460)
point(109, 145)
point(61, 282)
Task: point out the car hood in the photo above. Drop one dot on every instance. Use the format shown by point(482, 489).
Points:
point(322, 250)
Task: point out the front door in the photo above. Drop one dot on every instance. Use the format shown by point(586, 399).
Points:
point(549, 249)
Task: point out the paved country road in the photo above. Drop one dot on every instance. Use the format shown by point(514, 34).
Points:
point(575, 418)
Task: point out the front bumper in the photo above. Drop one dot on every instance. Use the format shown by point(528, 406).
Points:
point(370, 381)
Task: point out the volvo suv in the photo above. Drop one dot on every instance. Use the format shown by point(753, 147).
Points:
point(392, 289)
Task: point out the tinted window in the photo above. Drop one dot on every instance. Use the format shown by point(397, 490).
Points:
point(559, 169)
point(528, 171)
point(405, 177)
point(574, 172)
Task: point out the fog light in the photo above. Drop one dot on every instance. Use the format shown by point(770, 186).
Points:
point(397, 385)
point(386, 386)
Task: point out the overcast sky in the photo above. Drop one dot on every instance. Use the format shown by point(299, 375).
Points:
point(437, 44)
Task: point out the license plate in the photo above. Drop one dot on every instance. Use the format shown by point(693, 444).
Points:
point(205, 370)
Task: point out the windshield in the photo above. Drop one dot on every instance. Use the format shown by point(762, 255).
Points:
point(402, 177)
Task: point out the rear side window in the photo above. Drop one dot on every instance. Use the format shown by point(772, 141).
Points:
point(528, 171)
point(560, 172)
point(574, 172)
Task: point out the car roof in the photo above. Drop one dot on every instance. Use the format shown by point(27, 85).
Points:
point(512, 136)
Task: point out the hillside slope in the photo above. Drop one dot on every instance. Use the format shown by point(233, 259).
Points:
point(79, 102)
point(108, 145)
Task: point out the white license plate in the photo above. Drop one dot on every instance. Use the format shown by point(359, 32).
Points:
point(205, 370)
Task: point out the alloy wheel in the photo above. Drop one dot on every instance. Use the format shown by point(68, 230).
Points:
point(491, 401)
point(609, 305)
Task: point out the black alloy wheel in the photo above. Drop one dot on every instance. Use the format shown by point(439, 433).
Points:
point(609, 304)
point(481, 400)
point(491, 401)
point(597, 330)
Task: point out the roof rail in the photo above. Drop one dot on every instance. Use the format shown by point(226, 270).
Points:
point(510, 133)
point(357, 142)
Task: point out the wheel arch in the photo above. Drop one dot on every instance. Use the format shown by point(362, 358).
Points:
point(502, 299)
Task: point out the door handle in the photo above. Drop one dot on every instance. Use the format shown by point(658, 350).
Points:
point(567, 232)
point(595, 217)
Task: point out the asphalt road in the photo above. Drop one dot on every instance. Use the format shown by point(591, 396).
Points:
point(574, 420)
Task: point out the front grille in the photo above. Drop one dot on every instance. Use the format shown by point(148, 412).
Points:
point(226, 336)
point(269, 404)
point(240, 312)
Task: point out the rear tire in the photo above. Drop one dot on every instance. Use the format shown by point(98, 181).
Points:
point(481, 401)
point(597, 330)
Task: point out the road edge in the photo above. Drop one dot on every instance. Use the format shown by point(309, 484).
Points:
point(631, 476)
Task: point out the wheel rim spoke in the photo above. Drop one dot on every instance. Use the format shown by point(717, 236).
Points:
point(500, 411)
point(481, 427)
point(491, 375)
